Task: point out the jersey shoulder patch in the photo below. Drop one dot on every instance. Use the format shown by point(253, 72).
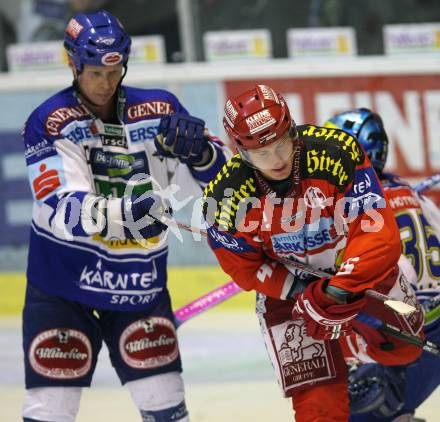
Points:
point(233, 184)
point(145, 103)
point(55, 113)
point(330, 154)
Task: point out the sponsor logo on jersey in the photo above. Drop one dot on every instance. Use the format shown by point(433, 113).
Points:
point(47, 182)
point(61, 354)
point(149, 343)
point(321, 164)
point(111, 58)
point(226, 208)
point(116, 141)
point(118, 161)
point(402, 290)
point(314, 198)
point(110, 129)
point(62, 115)
point(74, 28)
point(358, 205)
point(223, 174)
point(401, 198)
point(349, 143)
point(125, 288)
point(302, 359)
point(230, 113)
point(111, 135)
point(364, 185)
point(116, 164)
point(144, 130)
point(310, 238)
point(229, 205)
point(365, 192)
point(128, 243)
point(224, 239)
point(260, 121)
point(149, 109)
point(39, 150)
point(102, 279)
point(78, 132)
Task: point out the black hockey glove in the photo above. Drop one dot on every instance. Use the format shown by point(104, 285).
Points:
point(139, 213)
point(181, 136)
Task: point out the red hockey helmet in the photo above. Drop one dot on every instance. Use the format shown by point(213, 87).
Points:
point(257, 118)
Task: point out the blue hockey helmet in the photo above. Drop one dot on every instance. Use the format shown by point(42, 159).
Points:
point(97, 39)
point(368, 128)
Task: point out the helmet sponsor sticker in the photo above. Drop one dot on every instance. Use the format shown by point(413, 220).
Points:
point(268, 93)
point(260, 121)
point(230, 113)
point(112, 58)
point(61, 354)
point(74, 28)
point(149, 343)
point(106, 40)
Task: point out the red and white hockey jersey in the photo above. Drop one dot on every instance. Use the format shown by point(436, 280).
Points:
point(336, 219)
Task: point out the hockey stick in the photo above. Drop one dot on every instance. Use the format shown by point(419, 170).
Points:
point(222, 293)
point(426, 345)
point(396, 305)
point(205, 302)
point(432, 315)
point(427, 183)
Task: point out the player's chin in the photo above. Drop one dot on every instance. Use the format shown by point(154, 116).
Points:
point(280, 173)
point(102, 100)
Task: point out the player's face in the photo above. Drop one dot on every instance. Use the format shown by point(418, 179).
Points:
point(274, 161)
point(99, 83)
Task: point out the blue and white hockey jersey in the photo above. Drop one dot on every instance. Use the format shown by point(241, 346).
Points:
point(75, 161)
point(418, 219)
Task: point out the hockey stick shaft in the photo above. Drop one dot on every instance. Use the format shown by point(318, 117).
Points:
point(230, 289)
point(432, 315)
point(205, 302)
point(396, 305)
point(318, 273)
point(426, 345)
point(427, 183)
